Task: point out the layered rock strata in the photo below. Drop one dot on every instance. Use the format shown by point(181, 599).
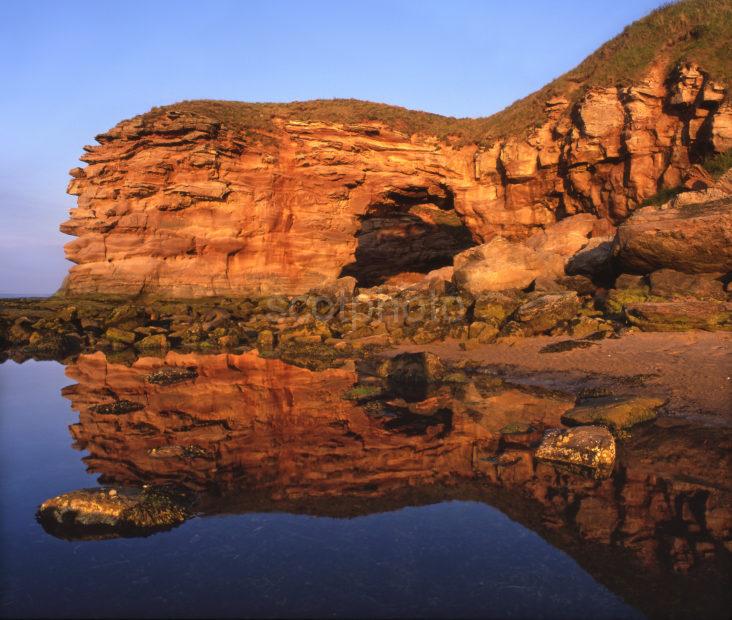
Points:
point(180, 203)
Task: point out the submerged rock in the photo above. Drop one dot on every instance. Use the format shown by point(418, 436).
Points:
point(590, 448)
point(112, 512)
point(117, 407)
point(409, 374)
point(168, 376)
point(616, 412)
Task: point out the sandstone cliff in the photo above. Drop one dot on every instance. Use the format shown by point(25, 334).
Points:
point(226, 198)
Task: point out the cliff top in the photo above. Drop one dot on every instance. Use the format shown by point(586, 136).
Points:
point(697, 31)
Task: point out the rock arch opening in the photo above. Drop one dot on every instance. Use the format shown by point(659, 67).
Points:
point(410, 230)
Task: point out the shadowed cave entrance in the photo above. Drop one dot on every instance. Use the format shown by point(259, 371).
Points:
point(409, 230)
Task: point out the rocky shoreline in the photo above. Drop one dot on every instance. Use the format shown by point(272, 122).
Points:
point(667, 268)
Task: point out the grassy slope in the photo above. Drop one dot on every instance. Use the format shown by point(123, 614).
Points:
point(693, 30)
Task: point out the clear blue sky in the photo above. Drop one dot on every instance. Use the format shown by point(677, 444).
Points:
point(71, 70)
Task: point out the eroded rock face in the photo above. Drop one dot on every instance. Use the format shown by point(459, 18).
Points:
point(182, 203)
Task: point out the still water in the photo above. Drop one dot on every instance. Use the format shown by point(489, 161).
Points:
point(313, 506)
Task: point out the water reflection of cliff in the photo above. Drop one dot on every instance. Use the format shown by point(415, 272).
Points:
point(248, 427)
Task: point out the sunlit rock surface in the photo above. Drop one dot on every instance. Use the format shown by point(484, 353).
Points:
point(184, 202)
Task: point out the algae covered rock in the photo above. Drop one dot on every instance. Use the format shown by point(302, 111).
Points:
point(679, 316)
point(171, 375)
point(493, 308)
point(113, 512)
point(544, 312)
point(154, 341)
point(586, 448)
point(113, 334)
point(117, 407)
point(616, 412)
point(619, 298)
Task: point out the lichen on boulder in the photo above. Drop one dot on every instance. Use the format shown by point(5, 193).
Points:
point(586, 448)
point(109, 512)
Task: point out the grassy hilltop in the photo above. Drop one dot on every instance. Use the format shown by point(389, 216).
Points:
point(688, 30)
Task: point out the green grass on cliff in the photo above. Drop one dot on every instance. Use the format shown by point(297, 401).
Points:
point(718, 164)
point(688, 30)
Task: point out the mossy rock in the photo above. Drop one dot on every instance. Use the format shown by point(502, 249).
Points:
point(680, 316)
point(169, 376)
point(117, 407)
point(494, 308)
point(155, 342)
point(618, 299)
point(586, 449)
point(311, 355)
point(546, 311)
point(363, 391)
point(618, 413)
point(121, 336)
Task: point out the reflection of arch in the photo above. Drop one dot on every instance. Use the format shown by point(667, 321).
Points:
point(409, 229)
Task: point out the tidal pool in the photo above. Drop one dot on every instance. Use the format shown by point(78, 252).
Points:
point(310, 504)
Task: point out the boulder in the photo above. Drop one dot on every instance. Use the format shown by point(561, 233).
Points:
point(581, 285)
point(618, 413)
point(494, 308)
point(627, 281)
point(502, 265)
point(673, 284)
point(496, 266)
point(692, 238)
point(155, 341)
point(564, 238)
point(544, 312)
point(680, 316)
point(586, 448)
point(337, 289)
point(102, 511)
point(113, 334)
point(594, 260)
point(409, 374)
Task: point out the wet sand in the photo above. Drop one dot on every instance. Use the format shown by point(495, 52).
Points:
point(693, 369)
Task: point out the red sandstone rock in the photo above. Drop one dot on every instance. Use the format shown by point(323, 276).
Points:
point(693, 238)
point(181, 204)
